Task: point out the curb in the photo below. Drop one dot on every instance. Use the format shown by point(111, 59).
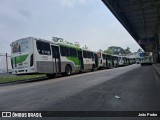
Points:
point(157, 69)
point(22, 81)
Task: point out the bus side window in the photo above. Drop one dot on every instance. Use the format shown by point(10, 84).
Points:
point(73, 52)
point(47, 48)
point(84, 54)
point(43, 48)
point(39, 46)
point(104, 57)
point(89, 54)
point(92, 56)
point(64, 51)
point(67, 51)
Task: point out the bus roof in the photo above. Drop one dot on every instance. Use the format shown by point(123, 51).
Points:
point(34, 38)
point(68, 45)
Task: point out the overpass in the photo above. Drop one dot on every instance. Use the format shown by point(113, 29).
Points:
point(141, 18)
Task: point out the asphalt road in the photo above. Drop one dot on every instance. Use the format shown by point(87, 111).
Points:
point(138, 88)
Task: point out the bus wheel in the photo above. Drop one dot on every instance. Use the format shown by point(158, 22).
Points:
point(50, 76)
point(68, 70)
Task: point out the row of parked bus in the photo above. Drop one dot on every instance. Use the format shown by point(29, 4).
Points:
point(33, 55)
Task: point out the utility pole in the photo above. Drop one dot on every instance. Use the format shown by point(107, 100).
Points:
point(6, 62)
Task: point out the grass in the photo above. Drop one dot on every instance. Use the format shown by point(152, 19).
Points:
point(11, 78)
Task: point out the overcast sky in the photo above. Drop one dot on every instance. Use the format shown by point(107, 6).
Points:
point(88, 22)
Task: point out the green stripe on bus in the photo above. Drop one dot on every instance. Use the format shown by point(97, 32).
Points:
point(21, 58)
point(74, 59)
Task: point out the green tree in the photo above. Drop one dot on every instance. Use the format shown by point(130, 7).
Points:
point(139, 50)
point(108, 51)
point(114, 50)
point(127, 50)
point(117, 50)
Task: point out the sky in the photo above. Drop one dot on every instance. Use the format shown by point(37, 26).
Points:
point(88, 22)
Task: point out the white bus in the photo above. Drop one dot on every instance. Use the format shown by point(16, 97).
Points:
point(107, 60)
point(115, 60)
point(34, 55)
point(121, 61)
point(146, 58)
point(102, 61)
point(110, 62)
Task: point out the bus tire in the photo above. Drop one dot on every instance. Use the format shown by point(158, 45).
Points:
point(50, 76)
point(68, 70)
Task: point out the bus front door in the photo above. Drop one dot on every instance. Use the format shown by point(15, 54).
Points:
point(56, 59)
point(96, 60)
point(80, 59)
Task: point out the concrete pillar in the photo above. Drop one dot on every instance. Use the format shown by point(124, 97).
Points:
point(156, 49)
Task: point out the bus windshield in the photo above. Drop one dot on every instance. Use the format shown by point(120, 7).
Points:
point(20, 46)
